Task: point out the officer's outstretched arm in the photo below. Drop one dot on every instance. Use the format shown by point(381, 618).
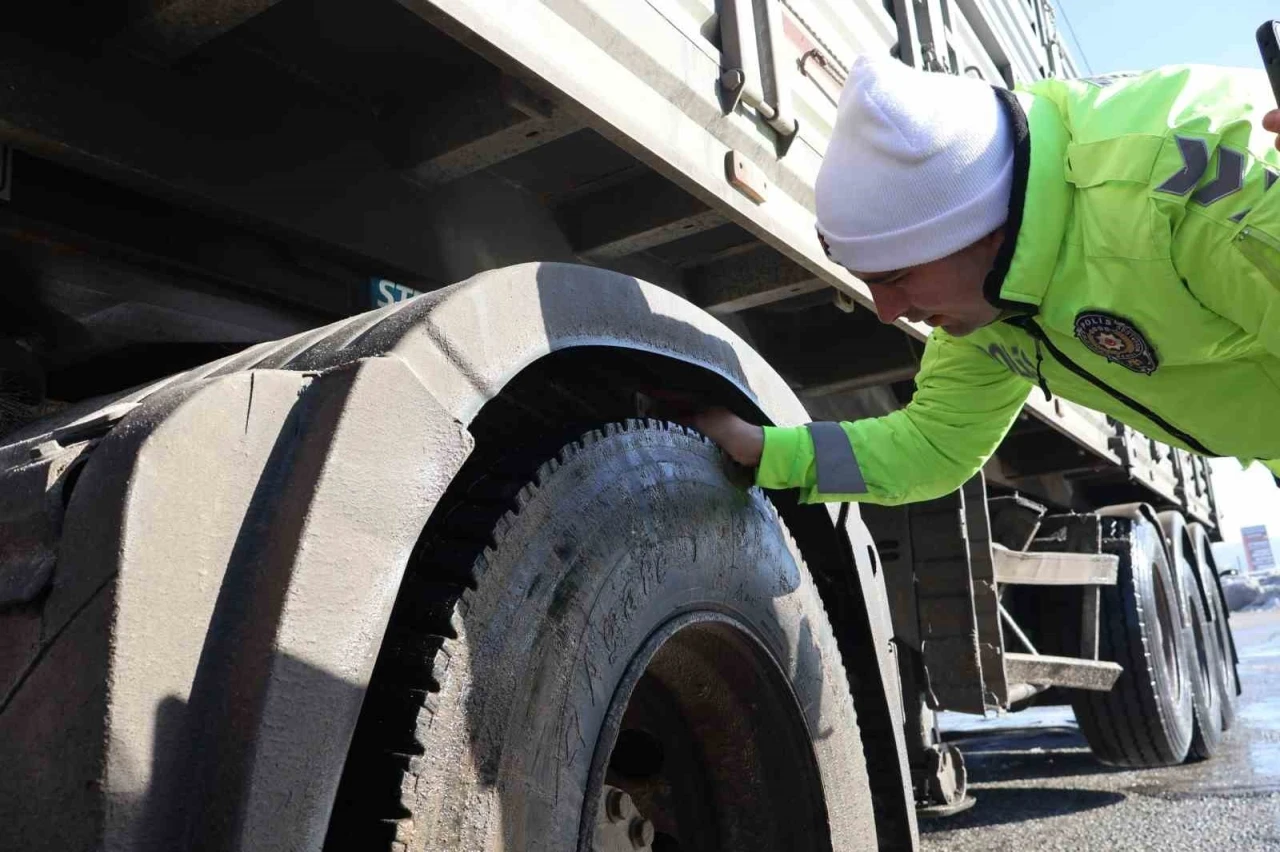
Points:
point(965, 402)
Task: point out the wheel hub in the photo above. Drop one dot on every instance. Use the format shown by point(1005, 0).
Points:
point(704, 746)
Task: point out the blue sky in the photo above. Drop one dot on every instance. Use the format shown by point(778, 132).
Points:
point(1131, 35)
point(1127, 35)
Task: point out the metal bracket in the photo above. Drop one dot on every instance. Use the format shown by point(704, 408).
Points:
point(1068, 672)
point(946, 783)
point(922, 35)
point(752, 45)
point(939, 780)
point(908, 34)
point(740, 78)
point(1015, 519)
point(1137, 512)
point(1054, 569)
point(744, 176)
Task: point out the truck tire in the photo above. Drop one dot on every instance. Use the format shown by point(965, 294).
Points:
point(642, 652)
point(1146, 718)
point(1206, 689)
point(1202, 643)
point(1228, 678)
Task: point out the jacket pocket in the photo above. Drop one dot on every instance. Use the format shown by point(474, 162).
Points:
point(1262, 250)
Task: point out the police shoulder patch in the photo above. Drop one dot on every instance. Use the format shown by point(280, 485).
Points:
point(1117, 340)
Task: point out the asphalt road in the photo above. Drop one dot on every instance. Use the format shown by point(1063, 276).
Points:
point(1038, 788)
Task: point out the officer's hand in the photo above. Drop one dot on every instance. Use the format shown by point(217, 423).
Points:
point(743, 441)
point(1271, 121)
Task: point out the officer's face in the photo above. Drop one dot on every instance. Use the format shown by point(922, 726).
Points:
point(945, 293)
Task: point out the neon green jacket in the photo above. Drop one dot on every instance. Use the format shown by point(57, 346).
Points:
point(1140, 276)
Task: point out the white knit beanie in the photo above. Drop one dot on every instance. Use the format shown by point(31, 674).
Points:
point(919, 166)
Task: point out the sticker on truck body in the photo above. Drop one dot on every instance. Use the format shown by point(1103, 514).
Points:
point(383, 292)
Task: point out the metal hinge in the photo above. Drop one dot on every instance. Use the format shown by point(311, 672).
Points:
point(752, 44)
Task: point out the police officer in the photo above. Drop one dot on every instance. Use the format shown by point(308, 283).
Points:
point(1113, 241)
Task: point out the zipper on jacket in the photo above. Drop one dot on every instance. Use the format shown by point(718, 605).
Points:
point(1030, 326)
point(1262, 249)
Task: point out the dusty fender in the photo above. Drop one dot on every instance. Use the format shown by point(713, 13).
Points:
point(184, 647)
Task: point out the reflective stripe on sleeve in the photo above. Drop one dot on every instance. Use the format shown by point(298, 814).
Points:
point(837, 467)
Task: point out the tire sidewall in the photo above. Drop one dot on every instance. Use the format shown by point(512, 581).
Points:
point(1173, 690)
point(1226, 670)
point(1205, 685)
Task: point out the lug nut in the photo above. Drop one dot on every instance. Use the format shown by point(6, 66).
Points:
point(618, 806)
point(641, 832)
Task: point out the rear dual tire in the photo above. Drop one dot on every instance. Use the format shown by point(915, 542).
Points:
point(1227, 677)
point(1177, 693)
point(1147, 719)
point(1201, 639)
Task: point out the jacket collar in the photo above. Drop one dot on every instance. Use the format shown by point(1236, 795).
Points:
point(1039, 202)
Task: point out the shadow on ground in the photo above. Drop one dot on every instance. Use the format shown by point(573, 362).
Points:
point(1022, 755)
point(1000, 805)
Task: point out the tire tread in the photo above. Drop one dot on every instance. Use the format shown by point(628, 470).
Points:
point(448, 564)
